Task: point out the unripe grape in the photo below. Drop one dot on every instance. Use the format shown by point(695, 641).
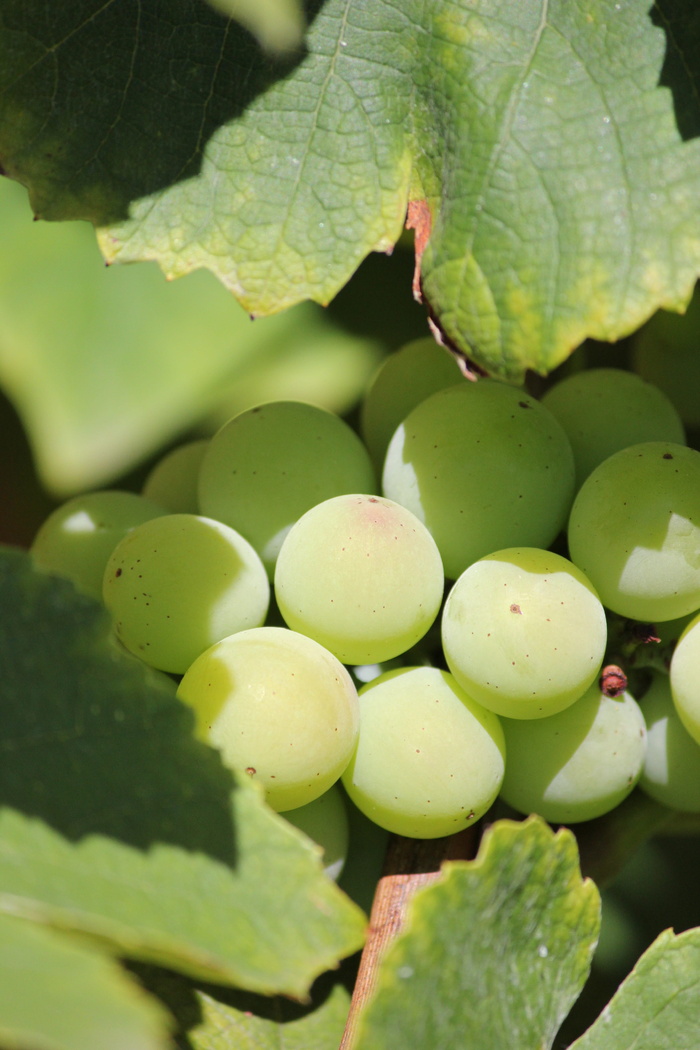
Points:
point(484, 466)
point(634, 529)
point(362, 576)
point(684, 675)
point(604, 410)
point(173, 480)
point(177, 584)
point(429, 759)
point(577, 764)
point(270, 464)
point(671, 772)
point(405, 378)
point(524, 632)
point(279, 706)
point(78, 537)
point(325, 821)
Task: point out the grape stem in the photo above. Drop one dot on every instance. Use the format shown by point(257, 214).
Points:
point(409, 865)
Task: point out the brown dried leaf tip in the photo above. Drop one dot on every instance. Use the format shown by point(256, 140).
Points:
point(613, 681)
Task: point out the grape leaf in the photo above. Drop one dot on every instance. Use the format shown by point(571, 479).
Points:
point(225, 1027)
point(493, 954)
point(211, 1018)
point(115, 822)
point(60, 994)
point(658, 1006)
point(100, 362)
point(536, 138)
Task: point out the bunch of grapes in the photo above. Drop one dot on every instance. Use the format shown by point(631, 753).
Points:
point(431, 612)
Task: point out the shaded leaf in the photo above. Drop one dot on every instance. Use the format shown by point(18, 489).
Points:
point(658, 1006)
point(114, 821)
point(560, 195)
point(211, 1018)
point(231, 1027)
point(493, 954)
point(60, 994)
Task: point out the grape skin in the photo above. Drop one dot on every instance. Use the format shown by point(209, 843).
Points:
point(671, 772)
point(77, 538)
point(279, 706)
point(405, 378)
point(325, 822)
point(684, 675)
point(484, 466)
point(362, 576)
point(524, 632)
point(429, 759)
point(174, 479)
point(634, 529)
point(577, 764)
point(176, 584)
point(604, 410)
point(268, 465)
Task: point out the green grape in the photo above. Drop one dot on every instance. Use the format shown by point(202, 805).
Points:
point(403, 380)
point(277, 705)
point(671, 772)
point(665, 353)
point(429, 760)
point(177, 584)
point(634, 530)
point(604, 410)
point(524, 632)
point(173, 480)
point(362, 576)
point(269, 465)
point(485, 466)
point(577, 764)
point(78, 537)
point(325, 821)
point(684, 674)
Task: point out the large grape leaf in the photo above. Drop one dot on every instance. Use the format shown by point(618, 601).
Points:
point(116, 823)
point(493, 954)
point(107, 365)
point(60, 994)
point(536, 141)
point(658, 1006)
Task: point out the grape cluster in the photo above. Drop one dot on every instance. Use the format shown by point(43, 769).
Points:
point(423, 611)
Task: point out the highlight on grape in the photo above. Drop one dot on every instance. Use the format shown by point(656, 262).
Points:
point(410, 621)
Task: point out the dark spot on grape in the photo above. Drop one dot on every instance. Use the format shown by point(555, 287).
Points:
point(516, 609)
point(667, 455)
point(118, 572)
point(524, 404)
